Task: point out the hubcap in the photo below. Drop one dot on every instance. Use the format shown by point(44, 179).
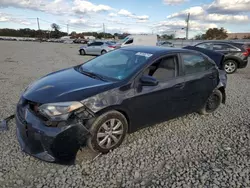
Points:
point(110, 133)
point(230, 67)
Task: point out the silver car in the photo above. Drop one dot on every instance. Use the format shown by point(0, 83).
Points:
point(97, 48)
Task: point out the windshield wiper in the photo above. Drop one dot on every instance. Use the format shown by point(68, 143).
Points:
point(93, 75)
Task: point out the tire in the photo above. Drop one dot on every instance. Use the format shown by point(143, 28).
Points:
point(102, 134)
point(82, 52)
point(230, 66)
point(213, 103)
point(103, 52)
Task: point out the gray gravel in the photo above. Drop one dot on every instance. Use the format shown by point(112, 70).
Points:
point(191, 151)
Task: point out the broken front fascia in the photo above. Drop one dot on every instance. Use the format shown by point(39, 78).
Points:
point(53, 144)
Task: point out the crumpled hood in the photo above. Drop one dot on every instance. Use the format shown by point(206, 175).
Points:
point(65, 85)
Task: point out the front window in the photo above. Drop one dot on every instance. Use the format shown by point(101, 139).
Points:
point(163, 69)
point(118, 64)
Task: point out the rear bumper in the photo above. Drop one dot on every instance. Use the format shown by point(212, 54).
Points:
point(47, 143)
point(243, 64)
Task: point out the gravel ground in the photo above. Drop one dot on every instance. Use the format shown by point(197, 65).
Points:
point(191, 151)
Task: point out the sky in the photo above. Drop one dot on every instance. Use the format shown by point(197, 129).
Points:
point(133, 16)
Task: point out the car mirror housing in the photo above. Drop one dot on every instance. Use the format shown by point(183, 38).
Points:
point(148, 81)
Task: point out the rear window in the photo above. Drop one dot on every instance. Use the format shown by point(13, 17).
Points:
point(195, 63)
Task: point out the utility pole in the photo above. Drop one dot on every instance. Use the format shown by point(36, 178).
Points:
point(38, 25)
point(68, 29)
point(103, 30)
point(187, 28)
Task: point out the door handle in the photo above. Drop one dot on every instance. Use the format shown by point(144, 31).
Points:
point(179, 85)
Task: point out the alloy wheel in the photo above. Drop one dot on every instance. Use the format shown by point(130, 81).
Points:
point(230, 67)
point(110, 133)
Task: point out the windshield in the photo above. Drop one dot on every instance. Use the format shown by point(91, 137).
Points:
point(118, 64)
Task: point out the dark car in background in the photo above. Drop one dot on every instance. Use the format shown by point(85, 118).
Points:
point(236, 54)
point(97, 103)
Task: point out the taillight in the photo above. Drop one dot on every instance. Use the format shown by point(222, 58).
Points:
point(246, 53)
point(112, 46)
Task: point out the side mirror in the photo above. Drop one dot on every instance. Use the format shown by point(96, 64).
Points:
point(148, 81)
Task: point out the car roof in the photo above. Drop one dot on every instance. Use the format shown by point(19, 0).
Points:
point(218, 41)
point(154, 49)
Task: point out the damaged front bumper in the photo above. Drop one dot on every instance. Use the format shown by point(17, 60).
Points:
point(51, 144)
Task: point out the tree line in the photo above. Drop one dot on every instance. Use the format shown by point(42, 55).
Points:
point(210, 34)
point(56, 33)
point(214, 34)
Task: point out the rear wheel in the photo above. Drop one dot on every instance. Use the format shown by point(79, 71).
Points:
point(213, 103)
point(103, 52)
point(82, 52)
point(107, 132)
point(230, 66)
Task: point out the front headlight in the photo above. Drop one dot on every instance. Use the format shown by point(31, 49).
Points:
point(59, 111)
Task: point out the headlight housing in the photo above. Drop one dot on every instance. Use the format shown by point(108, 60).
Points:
point(59, 111)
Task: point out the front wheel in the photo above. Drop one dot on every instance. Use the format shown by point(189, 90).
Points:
point(213, 103)
point(82, 52)
point(107, 132)
point(230, 66)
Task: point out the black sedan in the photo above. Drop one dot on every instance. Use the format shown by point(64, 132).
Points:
point(98, 102)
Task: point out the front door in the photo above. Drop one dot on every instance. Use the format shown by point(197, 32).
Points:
point(153, 104)
point(90, 48)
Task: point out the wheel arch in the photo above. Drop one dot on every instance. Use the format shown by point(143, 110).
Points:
point(117, 108)
point(233, 59)
point(223, 91)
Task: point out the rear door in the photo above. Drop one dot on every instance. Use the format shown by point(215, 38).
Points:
point(201, 78)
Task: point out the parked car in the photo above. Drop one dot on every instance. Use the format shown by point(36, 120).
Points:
point(80, 41)
point(236, 54)
point(98, 102)
point(165, 44)
point(97, 48)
